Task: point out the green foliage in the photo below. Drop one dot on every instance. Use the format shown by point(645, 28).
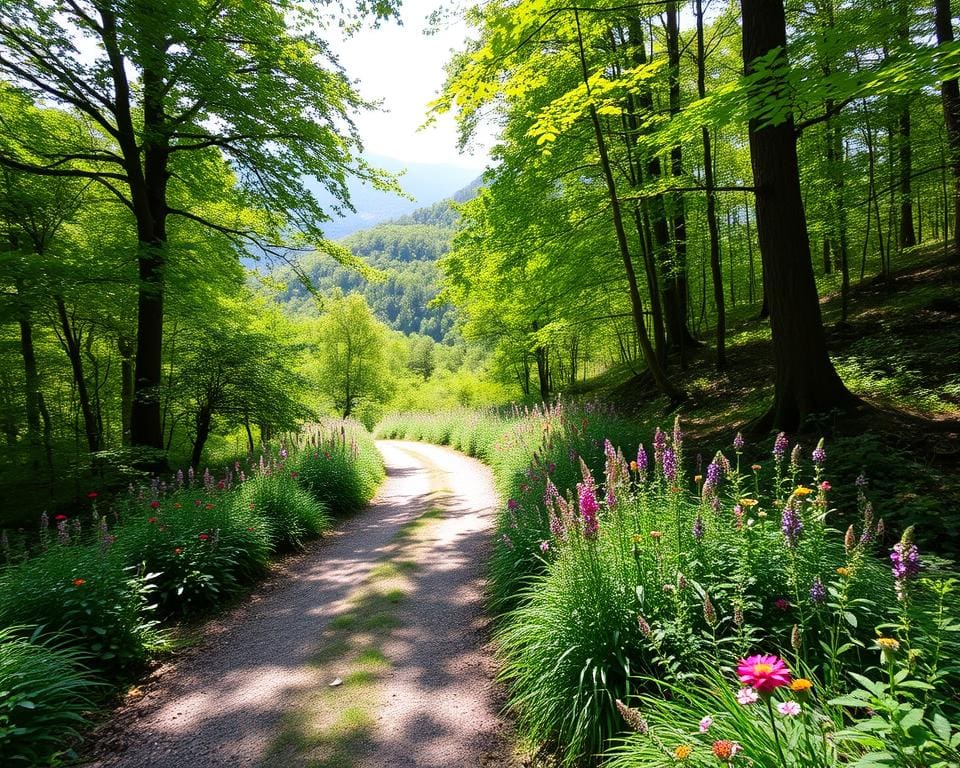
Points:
point(46, 695)
point(338, 463)
point(87, 594)
point(292, 514)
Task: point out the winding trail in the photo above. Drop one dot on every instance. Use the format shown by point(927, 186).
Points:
point(222, 703)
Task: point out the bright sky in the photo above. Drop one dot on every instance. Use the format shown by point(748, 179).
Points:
point(404, 67)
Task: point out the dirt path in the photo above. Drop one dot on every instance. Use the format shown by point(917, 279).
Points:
point(431, 703)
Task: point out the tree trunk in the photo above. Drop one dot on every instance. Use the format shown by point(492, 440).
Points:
point(31, 376)
point(708, 181)
point(203, 419)
point(636, 303)
point(907, 236)
point(950, 91)
point(125, 348)
point(71, 345)
point(805, 380)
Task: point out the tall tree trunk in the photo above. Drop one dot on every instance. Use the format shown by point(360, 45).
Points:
point(950, 91)
point(708, 180)
point(805, 380)
point(907, 236)
point(71, 344)
point(30, 374)
point(636, 303)
point(203, 419)
point(125, 348)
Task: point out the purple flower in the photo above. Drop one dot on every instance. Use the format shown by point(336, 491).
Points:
point(642, 463)
point(556, 527)
point(819, 454)
point(714, 473)
point(587, 499)
point(659, 445)
point(544, 546)
point(669, 464)
point(677, 435)
point(791, 525)
point(698, 529)
point(511, 504)
point(738, 443)
point(780, 446)
point(818, 592)
point(905, 562)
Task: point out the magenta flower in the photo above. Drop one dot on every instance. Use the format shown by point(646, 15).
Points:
point(587, 499)
point(765, 673)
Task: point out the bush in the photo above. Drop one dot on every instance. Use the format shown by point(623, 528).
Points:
point(88, 595)
point(339, 464)
point(291, 513)
point(196, 547)
point(45, 693)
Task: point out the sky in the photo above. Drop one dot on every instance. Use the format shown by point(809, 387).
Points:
point(405, 68)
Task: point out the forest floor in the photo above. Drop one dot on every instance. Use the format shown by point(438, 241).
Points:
point(370, 650)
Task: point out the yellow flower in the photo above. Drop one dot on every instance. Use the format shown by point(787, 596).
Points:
point(748, 502)
point(697, 478)
point(637, 538)
point(683, 752)
point(845, 572)
point(801, 685)
point(633, 466)
point(888, 644)
point(801, 491)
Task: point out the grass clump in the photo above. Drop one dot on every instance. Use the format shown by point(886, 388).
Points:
point(292, 514)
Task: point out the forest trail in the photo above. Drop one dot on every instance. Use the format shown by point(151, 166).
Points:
point(256, 691)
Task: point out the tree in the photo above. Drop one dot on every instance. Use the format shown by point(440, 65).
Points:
point(149, 80)
point(950, 90)
point(351, 352)
point(806, 382)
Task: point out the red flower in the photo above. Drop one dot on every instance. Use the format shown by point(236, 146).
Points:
point(204, 536)
point(293, 474)
point(763, 673)
point(79, 582)
point(222, 484)
point(208, 506)
point(151, 519)
point(92, 495)
point(60, 517)
point(154, 504)
point(250, 529)
point(177, 550)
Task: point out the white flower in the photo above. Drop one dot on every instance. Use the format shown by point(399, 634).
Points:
point(788, 709)
point(705, 724)
point(747, 696)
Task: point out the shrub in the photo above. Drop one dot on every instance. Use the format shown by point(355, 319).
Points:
point(45, 693)
point(88, 595)
point(196, 547)
point(339, 464)
point(292, 515)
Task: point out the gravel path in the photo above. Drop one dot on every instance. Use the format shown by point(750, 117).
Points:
point(220, 703)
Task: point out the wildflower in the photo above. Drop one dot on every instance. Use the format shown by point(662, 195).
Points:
point(791, 525)
point(544, 546)
point(795, 457)
point(697, 479)
point(208, 505)
point(683, 752)
point(60, 518)
point(588, 509)
point(251, 528)
point(818, 592)
point(511, 504)
point(780, 447)
point(782, 604)
point(714, 473)
point(552, 468)
point(888, 648)
point(861, 481)
point(556, 526)
point(154, 504)
point(92, 495)
point(177, 550)
point(681, 582)
point(725, 750)
point(765, 673)
point(709, 612)
point(633, 466)
point(659, 444)
point(669, 589)
point(203, 536)
point(738, 443)
point(632, 717)
point(151, 520)
point(849, 540)
point(705, 724)
point(747, 696)
point(825, 486)
point(843, 571)
point(749, 502)
point(294, 474)
point(645, 628)
point(802, 491)
point(698, 529)
point(79, 582)
point(819, 455)
point(796, 639)
point(738, 616)
point(677, 435)
point(642, 463)
point(905, 559)
point(755, 467)
point(669, 464)
point(801, 685)
point(788, 708)
point(656, 535)
point(178, 505)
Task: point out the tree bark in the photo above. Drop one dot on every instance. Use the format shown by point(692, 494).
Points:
point(125, 348)
point(805, 381)
point(950, 92)
point(31, 376)
point(71, 345)
point(203, 419)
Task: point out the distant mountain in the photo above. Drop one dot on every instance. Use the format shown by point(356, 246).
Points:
point(406, 250)
point(427, 183)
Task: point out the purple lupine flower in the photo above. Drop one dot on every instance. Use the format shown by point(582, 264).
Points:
point(659, 445)
point(669, 464)
point(818, 592)
point(179, 478)
point(698, 529)
point(905, 562)
point(642, 463)
point(780, 446)
point(738, 443)
point(587, 502)
point(867, 536)
point(714, 473)
point(791, 525)
point(677, 435)
point(207, 479)
point(724, 462)
point(63, 535)
point(556, 527)
point(819, 454)
point(715, 503)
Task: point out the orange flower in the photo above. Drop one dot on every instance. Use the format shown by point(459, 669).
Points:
point(683, 752)
point(843, 571)
point(79, 582)
point(208, 506)
point(748, 502)
point(655, 535)
point(801, 685)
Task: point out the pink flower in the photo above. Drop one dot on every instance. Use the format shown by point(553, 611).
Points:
point(825, 486)
point(788, 708)
point(764, 673)
point(747, 696)
point(544, 546)
point(705, 724)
